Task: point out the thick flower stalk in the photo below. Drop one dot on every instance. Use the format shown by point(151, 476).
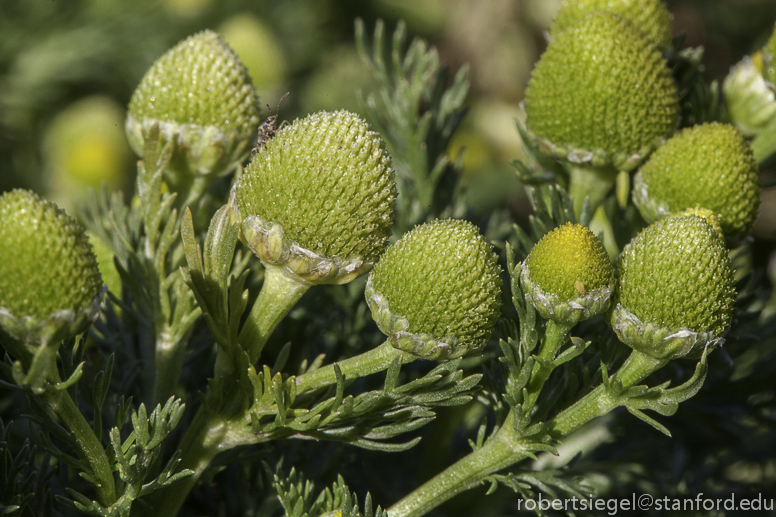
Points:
point(600, 99)
point(436, 294)
point(709, 166)
point(202, 99)
point(650, 16)
point(316, 205)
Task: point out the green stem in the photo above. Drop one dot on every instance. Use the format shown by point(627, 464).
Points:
point(764, 145)
point(554, 336)
point(600, 224)
point(203, 440)
point(375, 360)
point(89, 448)
point(505, 448)
point(500, 451)
point(598, 402)
point(209, 435)
point(278, 295)
point(593, 183)
point(168, 363)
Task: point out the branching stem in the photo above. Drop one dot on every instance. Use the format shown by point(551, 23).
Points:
point(376, 360)
point(89, 448)
point(507, 446)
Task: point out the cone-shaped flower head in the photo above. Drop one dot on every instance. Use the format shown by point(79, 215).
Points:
point(49, 279)
point(650, 16)
point(318, 198)
point(201, 96)
point(436, 292)
point(568, 276)
point(710, 166)
point(674, 290)
point(601, 94)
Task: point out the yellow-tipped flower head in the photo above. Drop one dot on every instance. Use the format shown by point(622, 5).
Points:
point(674, 292)
point(709, 166)
point(650, 16)
point(318, 198)
point(436, 292)
point(49, 278)
point(200, 95)
point(601, 94)
point(568, 276)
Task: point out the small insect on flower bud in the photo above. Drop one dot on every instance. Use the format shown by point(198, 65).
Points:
point(200, 95)
point(568, 276)
point(674, 294)
point(601, 94)
point(436, 292)
point(50, 283)
point(649, 16)
point(318, 198)
point(708, 165)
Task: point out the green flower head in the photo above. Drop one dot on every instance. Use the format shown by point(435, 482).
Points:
point(709, 166)
point(200, 95)
point(601, 94)
point(319, 198)
point(650, 16)
point(437, 291)
point(49, 278)
point(674, 292)
point(568, 276)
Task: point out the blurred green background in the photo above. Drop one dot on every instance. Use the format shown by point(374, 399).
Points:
point(68, 69)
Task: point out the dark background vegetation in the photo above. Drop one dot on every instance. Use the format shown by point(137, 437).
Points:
point(68, 69)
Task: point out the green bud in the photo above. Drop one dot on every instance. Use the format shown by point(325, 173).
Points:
point(318, 198)
point(436, 292)
point(601, 94)
point(50, 284)
point(674, 292)
point(649, 16)
point(568, 276)
point(200, 95)
point(710, 166)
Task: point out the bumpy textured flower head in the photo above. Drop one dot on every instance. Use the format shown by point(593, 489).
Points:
point(601, 94)
point(318, 198)
point(200, 95)
point(674, 292)
point(710, 166)
point(568, 276)
point(49, 279)
point(436, 292)
point(707, 214)
point(650, 16)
